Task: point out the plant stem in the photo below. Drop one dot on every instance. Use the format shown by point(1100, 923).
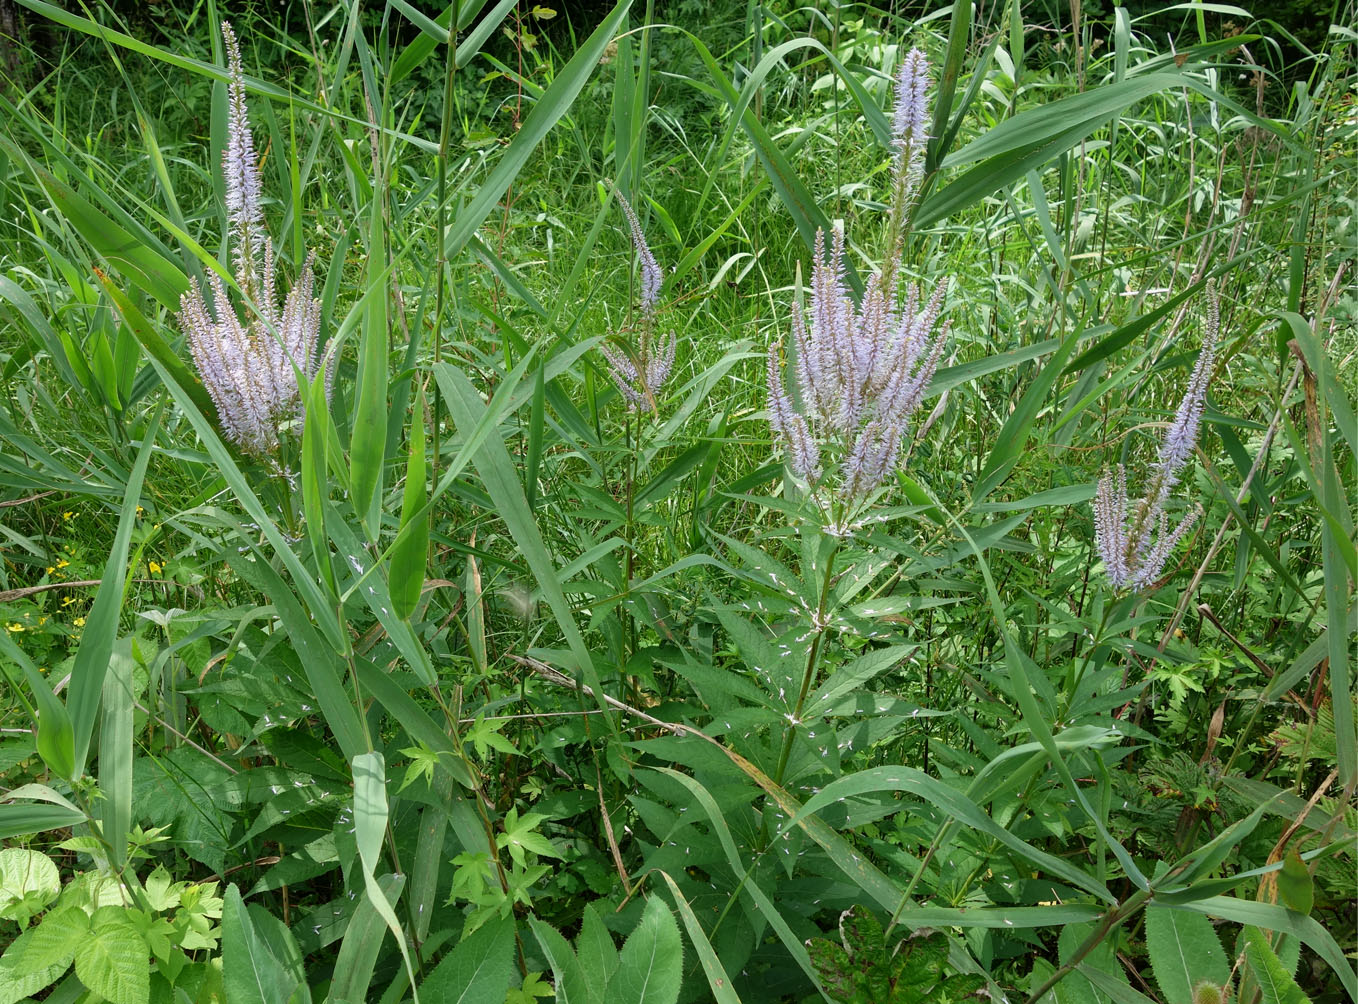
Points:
point(822, 628)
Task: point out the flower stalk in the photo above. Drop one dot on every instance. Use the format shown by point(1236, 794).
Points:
point(251, 365)
point(1133, 537)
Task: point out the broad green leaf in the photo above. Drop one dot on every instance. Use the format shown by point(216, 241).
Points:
point(115, 753)
point(21, 820)
point(1294, 883)
point(28, 882)
point(370, 827)
point(650, 965)
point(1184, 950)
point(367, 443)
point(315, 485)
point(854, 675)
point(112, 959)
point(56, 736)
point(598, 955)
point(53, 942)
point(18, 985)
point(478, 971)
point(362, 944)
point(250, 971)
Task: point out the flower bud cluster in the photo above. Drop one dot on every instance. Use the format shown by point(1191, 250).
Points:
point(250, 367)
point(1134, 538)
point(861, 370)
point(639, 375)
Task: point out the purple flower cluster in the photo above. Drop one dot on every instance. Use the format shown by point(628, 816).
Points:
point(1134, 538)
point(250, 366)
point(638, 375)
point(861, 370)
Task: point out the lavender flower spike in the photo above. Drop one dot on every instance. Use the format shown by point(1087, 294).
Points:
point(639, 375)
point(862, 369)
point(1182, 435)
point(1134, 538)
point(240, 168)
point(250, 367)
point(910, 117)
point(651, 276)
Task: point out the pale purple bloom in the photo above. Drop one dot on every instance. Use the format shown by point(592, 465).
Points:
point(240, 168)
point(639, 375)
point(651, 276)
point(862, 369)
point(803, 456)
point(250, 368)
point(910, 120)
point(1134, 538)
point(861, 372)
point(1182, 435)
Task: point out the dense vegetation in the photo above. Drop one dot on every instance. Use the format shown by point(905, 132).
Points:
point(470, 534)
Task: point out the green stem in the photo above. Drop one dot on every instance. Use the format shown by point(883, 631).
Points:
point(810, 672)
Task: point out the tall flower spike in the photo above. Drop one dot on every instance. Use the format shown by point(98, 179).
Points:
point(910, 117)
point(651, 276)
point(240, 168)
point(638, 376)
point(862, 369)
point(251, 368)
point(1134, 538)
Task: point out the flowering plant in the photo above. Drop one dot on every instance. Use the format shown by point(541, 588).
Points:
point(1133, 537)
point(861, 370)
point(250, 366)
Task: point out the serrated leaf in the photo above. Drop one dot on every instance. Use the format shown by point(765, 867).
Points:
point(16, 984)
point(569, 978)
point(53, 942)
point(650, 965)
point(1184, 950)
point(1276, 984)
point(478, 971)
point(598, 955)
point(113, 961)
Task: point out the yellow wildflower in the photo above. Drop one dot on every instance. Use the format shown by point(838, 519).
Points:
point(14, 628)
point(79, 622)
point(154, 566)
point(69, 515)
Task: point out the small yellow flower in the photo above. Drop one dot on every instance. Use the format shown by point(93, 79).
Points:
point(140, 510)
point(79, 622)
point(155, 567)
point(51, 569)
point(68, 516)
point(62, 563)
point(69, 600)
point(42, 620)
point(14, 628)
